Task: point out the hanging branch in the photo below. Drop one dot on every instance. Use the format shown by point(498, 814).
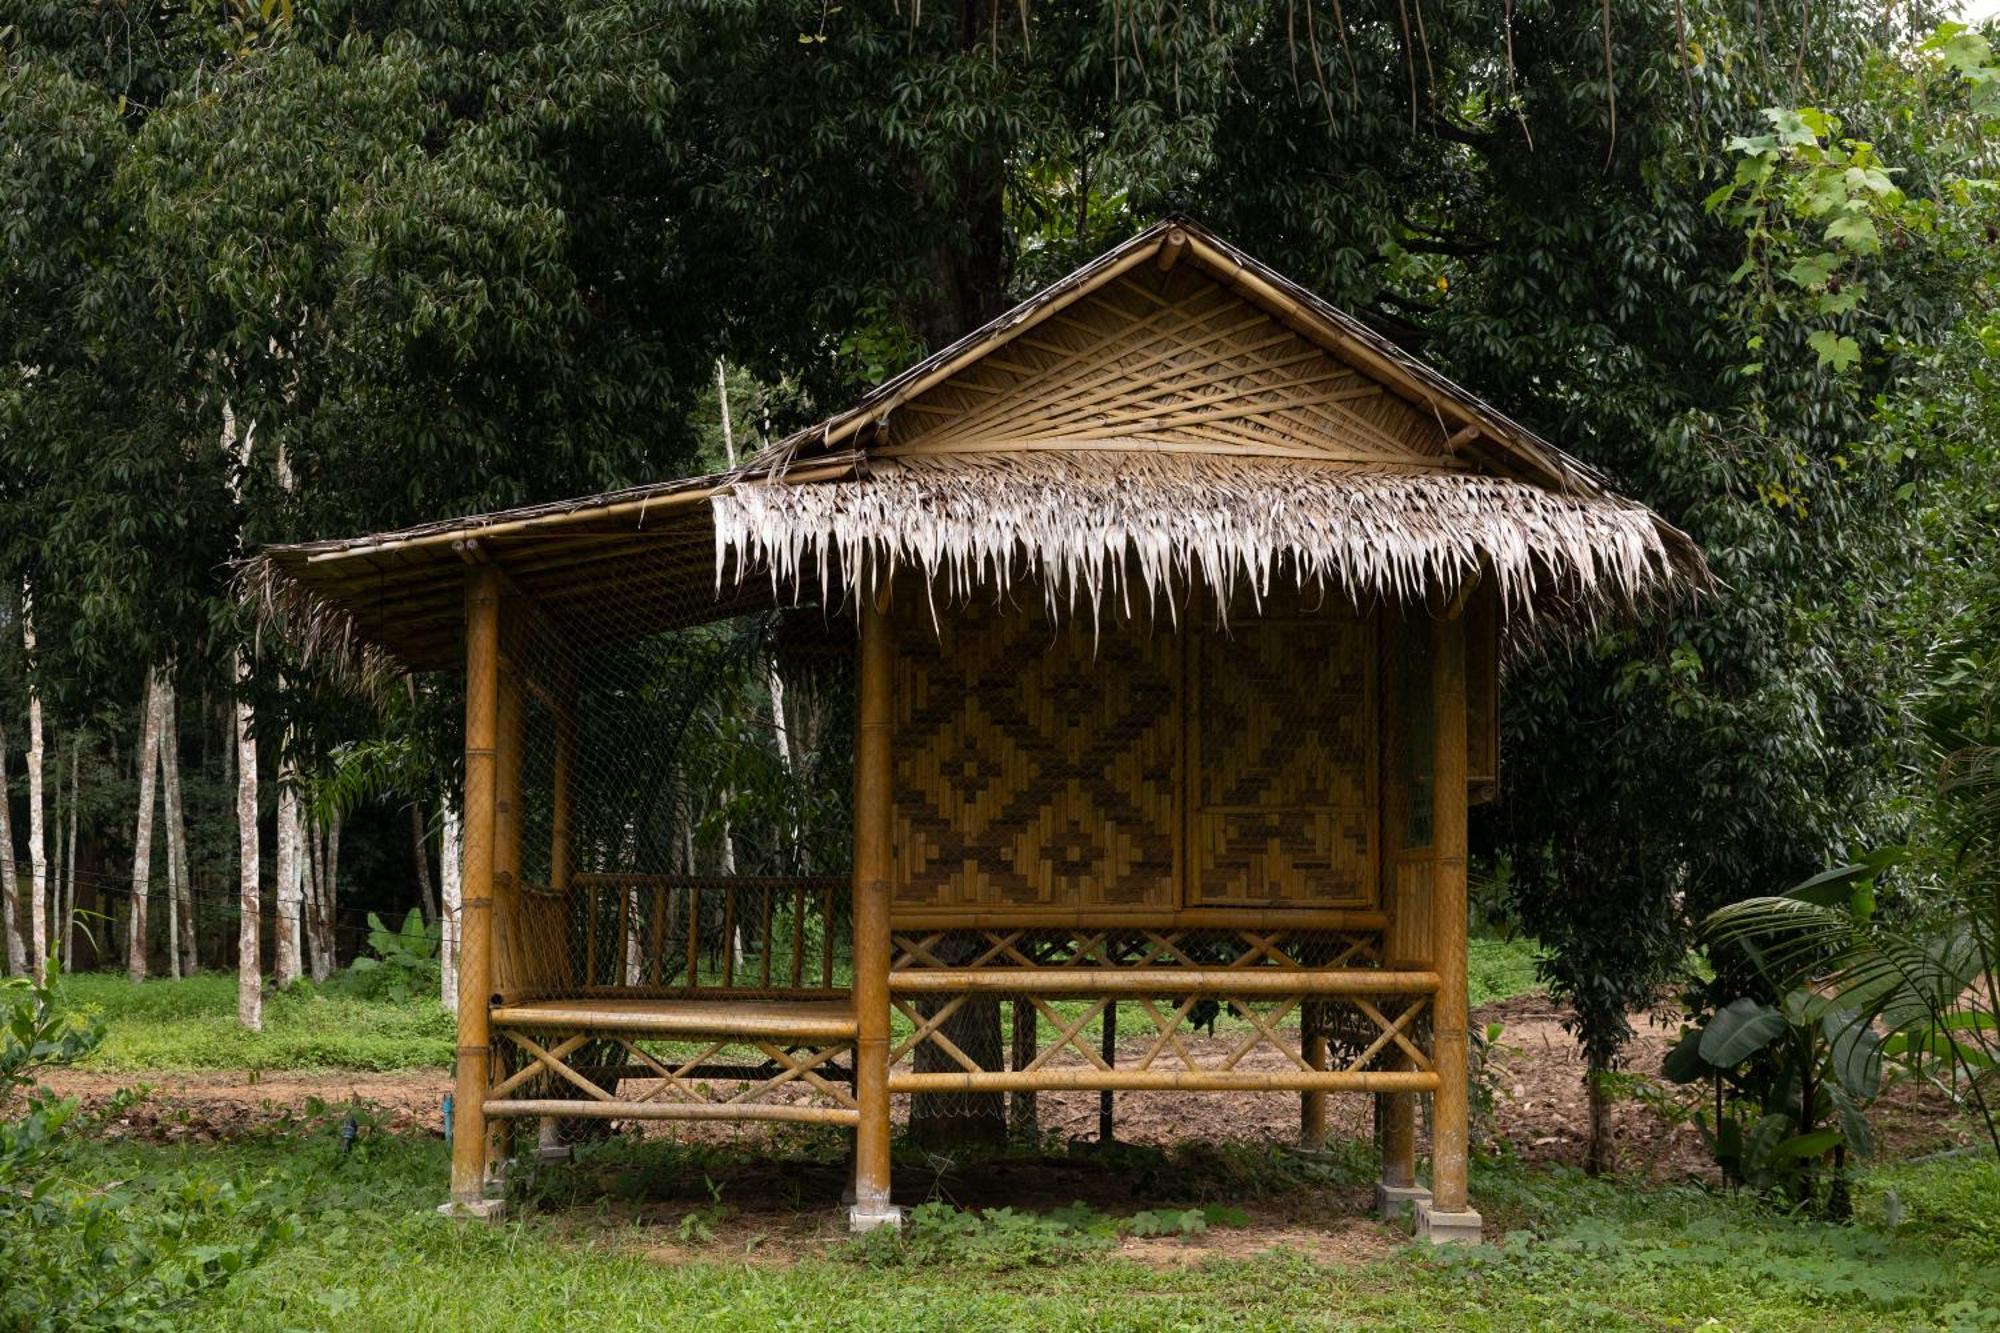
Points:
point(1347, 49)
point(1409, 60)
point(1513, 93)
point(1610, 88)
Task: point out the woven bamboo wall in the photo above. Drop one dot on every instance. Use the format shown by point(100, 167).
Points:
point(1036, 764)
point(1056, 768)
point(1282, 778)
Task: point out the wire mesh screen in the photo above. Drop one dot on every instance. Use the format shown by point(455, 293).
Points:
point(681, 812)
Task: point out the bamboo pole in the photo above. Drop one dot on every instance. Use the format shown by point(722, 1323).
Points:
point(873, 821)
point(475, 980)
point(581, 1109)
point(1450, 1114)
point(1162, 981)
point(1089, 1078)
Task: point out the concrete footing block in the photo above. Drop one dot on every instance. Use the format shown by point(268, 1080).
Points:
point(1443, 1228)
point(862, 1217)
point(1396, 1202)
point(492, 1211)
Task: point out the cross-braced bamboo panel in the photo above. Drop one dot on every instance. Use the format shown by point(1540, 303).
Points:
point(1183, 1009)
point(657, 1060)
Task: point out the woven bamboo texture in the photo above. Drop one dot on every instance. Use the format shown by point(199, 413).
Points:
point(1173, 363)
point(1036, 765)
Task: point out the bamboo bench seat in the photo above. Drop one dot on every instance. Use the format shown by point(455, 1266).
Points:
point(779, 1020)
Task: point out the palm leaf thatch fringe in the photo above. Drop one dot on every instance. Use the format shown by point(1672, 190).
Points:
point(1083, 525)
point(323, 633)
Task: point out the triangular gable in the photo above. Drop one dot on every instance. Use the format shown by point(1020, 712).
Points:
point(1443, 422)
point(1169, 361)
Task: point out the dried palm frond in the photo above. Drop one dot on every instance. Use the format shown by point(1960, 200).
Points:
point(1076, 522)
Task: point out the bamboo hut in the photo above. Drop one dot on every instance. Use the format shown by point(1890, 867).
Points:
point(1166, 611)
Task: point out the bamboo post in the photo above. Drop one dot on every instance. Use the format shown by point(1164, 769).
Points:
point(475, 981)
point(873, 823)
point(1448, 1217)
point(512, 965)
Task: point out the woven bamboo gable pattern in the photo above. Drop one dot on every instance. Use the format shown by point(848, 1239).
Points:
point(1167, 363)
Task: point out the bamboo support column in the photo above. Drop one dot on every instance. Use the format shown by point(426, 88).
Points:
point(1448, 1217)
point(873, 824)
point(475, 981)
point(550, 917)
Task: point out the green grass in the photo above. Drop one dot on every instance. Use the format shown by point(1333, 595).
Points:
point(191, 1025)
point(1582, 1254)
point(1500, 969)
point(160, 1026)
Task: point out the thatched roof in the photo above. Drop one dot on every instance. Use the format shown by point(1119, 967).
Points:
point(1172, 414)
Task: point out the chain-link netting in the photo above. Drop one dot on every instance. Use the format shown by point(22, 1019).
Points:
point(674, 825)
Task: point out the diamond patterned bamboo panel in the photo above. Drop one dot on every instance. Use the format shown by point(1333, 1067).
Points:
point(1283, 739)
point(1035, 763)
point(1169, 362)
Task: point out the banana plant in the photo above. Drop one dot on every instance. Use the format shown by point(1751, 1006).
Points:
point(1793, 1075)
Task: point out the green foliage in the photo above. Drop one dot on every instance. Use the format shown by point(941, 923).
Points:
point(402, 964)
point(997, 1240)
point(117, 1256)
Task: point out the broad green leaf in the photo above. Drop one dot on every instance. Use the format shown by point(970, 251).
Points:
point(1834, 349)
point(1738, 1031)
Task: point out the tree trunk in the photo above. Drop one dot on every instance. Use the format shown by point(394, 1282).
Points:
point(180, 888)
point(66, 918)
point(11, 917)
point(249, 970)
point(420, 853)
point(941, 1119)
point(448, 900)
point(1599, 1157)
point(323, 844)
point(142, 834)
point(38, 851)
point(290, 884)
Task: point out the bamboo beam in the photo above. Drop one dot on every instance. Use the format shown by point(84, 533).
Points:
point(1450, 1120)
point(1162, 981)
point(617, 1110)
point(1191, 918)
point(1089, 1078)
point(475, 983)
point(874, 817)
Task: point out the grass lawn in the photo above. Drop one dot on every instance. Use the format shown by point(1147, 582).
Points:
point(191, 1024)
point(1580, 1254)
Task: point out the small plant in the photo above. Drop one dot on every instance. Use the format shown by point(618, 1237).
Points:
point(116, 1257)
point(401, 962)
point(698, 1226)
point(997, 1240)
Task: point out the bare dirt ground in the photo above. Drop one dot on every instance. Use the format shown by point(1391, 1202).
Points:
point(775, 1209)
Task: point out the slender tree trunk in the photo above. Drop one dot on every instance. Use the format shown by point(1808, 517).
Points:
point(448, 899)
point(249, 967)
point(421, 854)
point(1599, 1158)
point(66, 919)
point(290, 885)
point(38, 848)
point(322, 864)
point(181, 938)
point(12, 921)
point(142, 835)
